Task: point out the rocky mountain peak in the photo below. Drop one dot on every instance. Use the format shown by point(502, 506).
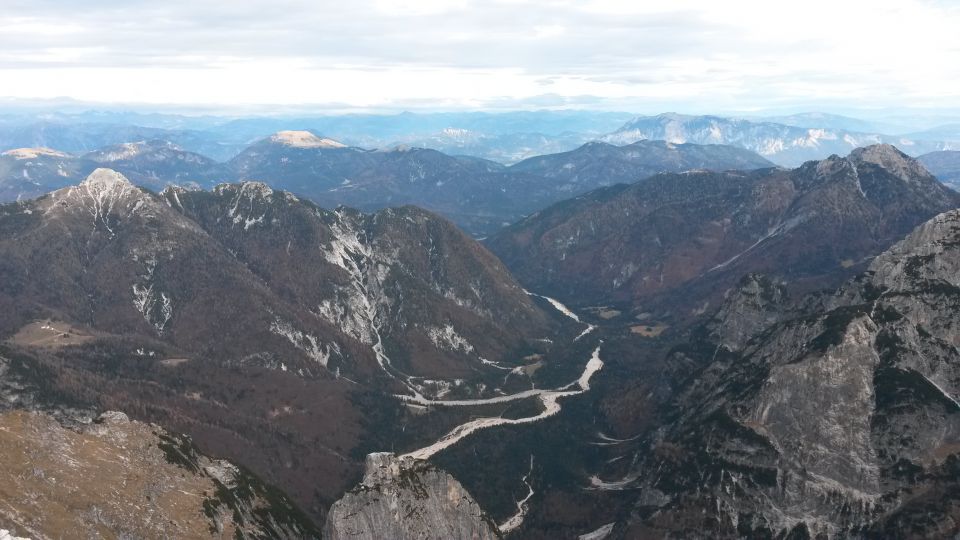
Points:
point(832, 165)
point(249, 187)
point(405, 498)
point(106, 180)
point(383, 467)
point(890, 159)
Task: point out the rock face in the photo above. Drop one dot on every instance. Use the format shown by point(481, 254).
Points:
point(837, 416)
point(698, 233)
point(407, 499)
point(128, 479)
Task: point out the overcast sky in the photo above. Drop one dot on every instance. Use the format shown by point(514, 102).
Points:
point(689, 55)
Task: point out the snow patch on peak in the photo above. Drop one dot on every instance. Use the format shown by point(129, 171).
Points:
point(105, 194)
point(304, 139)
point(106, 180)
point(34, 153)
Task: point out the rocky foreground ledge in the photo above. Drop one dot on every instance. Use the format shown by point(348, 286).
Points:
point(406, 498)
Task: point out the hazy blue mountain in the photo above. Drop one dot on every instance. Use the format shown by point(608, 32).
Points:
point(506, 136)
point(479, 195)
point(783, 144)
point(833, 121)
point(26, 173)
point(944, 165)
point(73, 137)
point(157, 164)
point(598, 164)
point(504, 148)
point(947, 132)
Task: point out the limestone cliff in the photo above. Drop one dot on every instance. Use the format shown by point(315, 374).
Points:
point(404, 498)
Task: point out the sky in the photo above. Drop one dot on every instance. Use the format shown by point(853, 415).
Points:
point(687, 55)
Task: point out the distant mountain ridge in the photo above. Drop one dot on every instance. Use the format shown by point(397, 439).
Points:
point(599, 164)
point(480, 195)
point(505, 137)
point(944, 165)
point(510, 136)
point(788, 145)
point(156, 164)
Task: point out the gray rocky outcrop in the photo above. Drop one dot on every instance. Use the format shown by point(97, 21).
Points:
point(404, 498)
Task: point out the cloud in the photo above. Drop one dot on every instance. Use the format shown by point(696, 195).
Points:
point(378, 53)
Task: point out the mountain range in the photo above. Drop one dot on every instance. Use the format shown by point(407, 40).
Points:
point(599, 164)
point(480, 195)
point(271, 331)
point(30, 172)
point(477, 194)
point(670, 340)
point(787, 145)
point(831, 415)
point(696, 233)
point(505, 137)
